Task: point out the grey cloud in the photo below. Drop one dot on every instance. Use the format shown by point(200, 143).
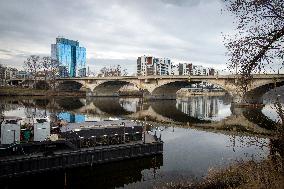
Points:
point(182, 2)
point(115, 29)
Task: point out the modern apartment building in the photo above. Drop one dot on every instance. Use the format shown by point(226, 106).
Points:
point(175, 69)
point(190, 69)
point(200, 70)
point(185, 69)
point(7, 73)
point(149, 65)
point(71, 57)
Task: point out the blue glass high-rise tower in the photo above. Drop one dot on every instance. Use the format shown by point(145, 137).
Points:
point(71, 57)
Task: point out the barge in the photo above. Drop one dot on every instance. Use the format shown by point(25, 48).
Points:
point(75, 145)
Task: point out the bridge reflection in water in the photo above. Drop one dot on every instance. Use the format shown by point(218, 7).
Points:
point(199, 110)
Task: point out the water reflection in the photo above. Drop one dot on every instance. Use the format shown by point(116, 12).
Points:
point(71, 117)
point(187, 152)
point(204, 107)
point(112, 175)
point(193, 110)
point(130, 104)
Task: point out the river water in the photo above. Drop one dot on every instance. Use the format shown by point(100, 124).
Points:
point(189, 152)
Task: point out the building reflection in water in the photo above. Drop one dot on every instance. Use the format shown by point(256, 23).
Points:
point(71, 118)
point(202, 107)
point(130, 104)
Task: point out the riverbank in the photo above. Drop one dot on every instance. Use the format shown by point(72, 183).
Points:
point(16, 91)
point(242, 175)
point(214, 127)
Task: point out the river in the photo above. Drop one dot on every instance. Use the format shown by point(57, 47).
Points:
point(189, 152)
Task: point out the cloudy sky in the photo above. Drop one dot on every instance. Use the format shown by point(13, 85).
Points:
point(117, 31)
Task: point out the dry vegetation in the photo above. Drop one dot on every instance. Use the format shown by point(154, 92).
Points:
point(243, 175)
point(267, 173)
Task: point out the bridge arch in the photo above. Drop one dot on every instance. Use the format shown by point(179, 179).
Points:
point(256, 91)
point(110, 88)
point(168, 89)
point(70, 85)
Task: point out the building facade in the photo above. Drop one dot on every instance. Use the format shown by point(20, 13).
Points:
point(71, 57)
point(190, 69)
point(149, 65)
point(185, 69)
point(200, 70)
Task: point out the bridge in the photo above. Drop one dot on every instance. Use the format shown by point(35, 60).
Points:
point(165, 87)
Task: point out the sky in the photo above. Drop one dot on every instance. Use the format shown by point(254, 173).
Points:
point(117, 31)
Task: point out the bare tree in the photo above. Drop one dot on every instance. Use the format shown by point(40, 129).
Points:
point(258, 44)
point(2, 74)
point(125, 72)
point(104, 72)
point(45, 62)
point(112, 71)
point(50, 68)
point(33, 66)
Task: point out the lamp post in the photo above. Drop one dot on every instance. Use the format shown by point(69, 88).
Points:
point(144, 133)
point(123, 124)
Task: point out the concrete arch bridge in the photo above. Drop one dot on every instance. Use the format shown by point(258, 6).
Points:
point(165, 87)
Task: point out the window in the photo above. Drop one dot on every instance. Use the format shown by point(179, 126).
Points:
point(41, 120)
point(12, 121)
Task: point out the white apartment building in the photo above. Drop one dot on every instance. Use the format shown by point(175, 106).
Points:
point(149, 65)
point(175, 70)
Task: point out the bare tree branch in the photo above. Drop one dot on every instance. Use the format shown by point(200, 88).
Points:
point(259, 43)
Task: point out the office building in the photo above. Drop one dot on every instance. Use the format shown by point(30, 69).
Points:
point(71, 57)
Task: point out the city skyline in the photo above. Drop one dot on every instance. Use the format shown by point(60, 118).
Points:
point(117, 32)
